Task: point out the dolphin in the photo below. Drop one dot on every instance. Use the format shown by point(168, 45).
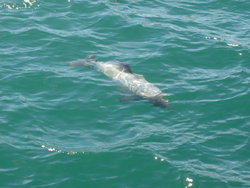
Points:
point(122, 73)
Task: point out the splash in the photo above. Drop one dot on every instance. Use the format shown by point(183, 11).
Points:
point(158, 158)
point(189, 182)
point(18, 5)
point(51, 149)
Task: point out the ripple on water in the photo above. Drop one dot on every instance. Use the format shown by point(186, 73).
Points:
point(55, 117)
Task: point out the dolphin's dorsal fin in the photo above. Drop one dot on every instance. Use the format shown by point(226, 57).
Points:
point(125, 67)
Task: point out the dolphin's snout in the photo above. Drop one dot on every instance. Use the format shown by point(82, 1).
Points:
point(160, 102)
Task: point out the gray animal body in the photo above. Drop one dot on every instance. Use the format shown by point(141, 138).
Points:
point(122, 74)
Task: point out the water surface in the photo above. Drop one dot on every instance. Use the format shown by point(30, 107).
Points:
point(63, 126)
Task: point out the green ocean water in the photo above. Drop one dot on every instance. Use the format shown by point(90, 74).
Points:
point(64, 126)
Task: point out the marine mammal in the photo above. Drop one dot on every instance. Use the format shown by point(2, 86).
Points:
point(122, 73)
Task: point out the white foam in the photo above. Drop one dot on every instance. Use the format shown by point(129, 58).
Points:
point(24, 4)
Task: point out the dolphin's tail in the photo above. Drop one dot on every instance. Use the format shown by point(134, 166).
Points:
point(90, 57)
point(88, 62)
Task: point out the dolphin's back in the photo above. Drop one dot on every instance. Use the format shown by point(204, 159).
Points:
point(138, 85)
point(134, 82)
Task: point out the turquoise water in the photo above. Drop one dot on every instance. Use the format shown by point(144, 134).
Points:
point(63, 126)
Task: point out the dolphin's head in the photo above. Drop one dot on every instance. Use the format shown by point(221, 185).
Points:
point(160, 102)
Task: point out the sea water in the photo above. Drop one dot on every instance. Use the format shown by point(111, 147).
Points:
point(63, 126)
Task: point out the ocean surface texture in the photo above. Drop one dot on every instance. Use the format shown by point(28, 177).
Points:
point(64, 126)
